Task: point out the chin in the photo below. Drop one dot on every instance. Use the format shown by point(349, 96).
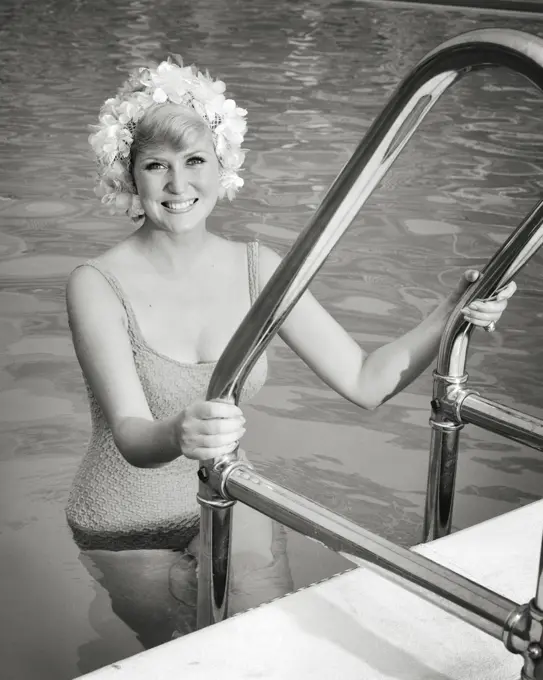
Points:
point(185, 223)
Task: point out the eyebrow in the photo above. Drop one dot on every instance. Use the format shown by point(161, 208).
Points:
point(195, 151)
point(159, 156)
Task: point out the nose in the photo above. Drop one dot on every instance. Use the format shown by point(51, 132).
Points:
point(177, 180)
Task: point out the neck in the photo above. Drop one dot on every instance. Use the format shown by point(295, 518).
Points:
point(172, 254)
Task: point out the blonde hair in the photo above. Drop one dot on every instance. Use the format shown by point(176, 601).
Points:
point(176, 126)
point(142, 96)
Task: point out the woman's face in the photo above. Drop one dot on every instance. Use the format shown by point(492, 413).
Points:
point(177, 189)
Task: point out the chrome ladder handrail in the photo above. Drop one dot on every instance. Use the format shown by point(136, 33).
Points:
point(227, 479)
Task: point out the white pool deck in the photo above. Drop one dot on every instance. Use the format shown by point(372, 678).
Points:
point(361, 626)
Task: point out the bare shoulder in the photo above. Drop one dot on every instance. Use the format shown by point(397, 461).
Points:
point(230, 255)
point(99, 325)
point(268, 261)
point(89, 293)
point(88, 289)
point(228, 245)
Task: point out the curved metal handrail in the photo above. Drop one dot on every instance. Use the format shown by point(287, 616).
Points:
point(373, 157)
point(381, 145)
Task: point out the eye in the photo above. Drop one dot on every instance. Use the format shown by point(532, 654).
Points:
point(154, 166)
point(195, 160)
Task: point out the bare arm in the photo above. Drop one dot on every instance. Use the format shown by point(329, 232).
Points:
point(98, 324)
point(365, 379)
point(392, 367)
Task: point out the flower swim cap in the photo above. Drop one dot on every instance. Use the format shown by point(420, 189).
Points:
point(171, 82)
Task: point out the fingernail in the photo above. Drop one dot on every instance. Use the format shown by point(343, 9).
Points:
point(475, 306)
point(464, 310)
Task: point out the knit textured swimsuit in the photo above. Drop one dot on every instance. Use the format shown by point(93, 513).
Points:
point(116, 506)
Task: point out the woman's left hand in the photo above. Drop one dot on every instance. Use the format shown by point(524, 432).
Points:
point(485, 313)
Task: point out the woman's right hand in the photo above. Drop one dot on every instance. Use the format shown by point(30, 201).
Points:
point(207, 429)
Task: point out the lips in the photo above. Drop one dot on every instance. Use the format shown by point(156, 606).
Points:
point(179, 206)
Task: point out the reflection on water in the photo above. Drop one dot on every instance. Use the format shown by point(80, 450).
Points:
point(313, 75)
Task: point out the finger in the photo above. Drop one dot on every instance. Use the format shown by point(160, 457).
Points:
point(471, 275)
point(217, 409)
point(505, 292)
point(481, 323)
point(214, 441)
point(220, 425)
point(508, 291)
point(227, 409)
point(207, 454)
point(482, 319)
point(487, 306)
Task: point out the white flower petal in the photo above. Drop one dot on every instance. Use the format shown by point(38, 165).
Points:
point(160, 96)
point(112, 138)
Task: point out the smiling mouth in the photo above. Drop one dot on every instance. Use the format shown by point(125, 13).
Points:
point(179, 206)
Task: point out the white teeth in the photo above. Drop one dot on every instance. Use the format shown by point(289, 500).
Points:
point(179, 206)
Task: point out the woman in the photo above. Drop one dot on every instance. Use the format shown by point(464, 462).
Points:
point(151, 316)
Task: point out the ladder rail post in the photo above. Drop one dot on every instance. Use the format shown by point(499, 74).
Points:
point(389, 134)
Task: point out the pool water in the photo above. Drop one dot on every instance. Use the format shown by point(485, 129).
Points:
point(313, 75)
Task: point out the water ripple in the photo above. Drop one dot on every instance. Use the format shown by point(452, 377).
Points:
point(314, 74)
